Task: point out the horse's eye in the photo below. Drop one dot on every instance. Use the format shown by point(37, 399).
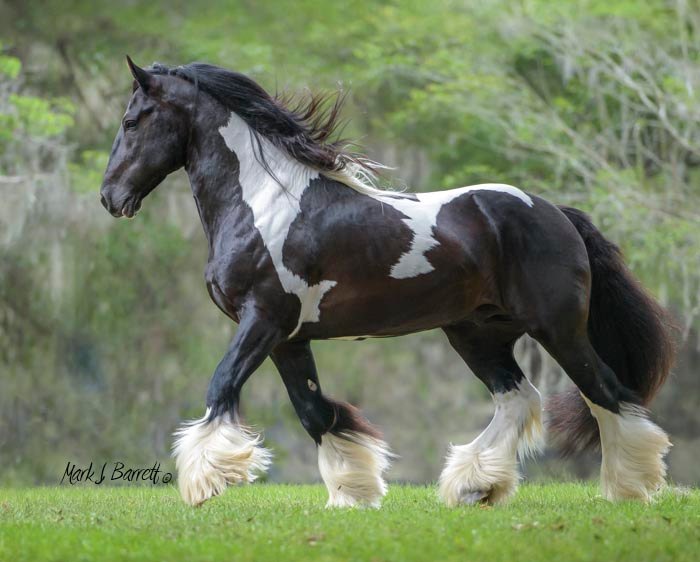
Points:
point(130, 124)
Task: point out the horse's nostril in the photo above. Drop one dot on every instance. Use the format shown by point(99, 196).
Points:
point(104, 202)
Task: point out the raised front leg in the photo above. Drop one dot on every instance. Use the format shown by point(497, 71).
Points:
point(352, 457)
point(217, 450)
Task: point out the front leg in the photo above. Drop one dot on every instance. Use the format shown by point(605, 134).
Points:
point(216, 450)
point(352, 456)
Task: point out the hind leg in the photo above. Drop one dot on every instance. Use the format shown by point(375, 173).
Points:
point(352, 457)
point(632, 446)
point(486, 470)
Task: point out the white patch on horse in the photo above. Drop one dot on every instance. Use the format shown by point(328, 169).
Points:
point(274, 208)
point(422, 218)
point(486, 469)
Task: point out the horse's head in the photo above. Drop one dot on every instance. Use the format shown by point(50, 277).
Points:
point(151, 142)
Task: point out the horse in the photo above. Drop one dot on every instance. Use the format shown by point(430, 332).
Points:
point(304, 246)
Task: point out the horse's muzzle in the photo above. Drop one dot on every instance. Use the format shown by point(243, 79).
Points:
point(125, 207)
point(111, 208)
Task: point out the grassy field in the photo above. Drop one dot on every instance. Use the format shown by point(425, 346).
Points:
point(557, 522)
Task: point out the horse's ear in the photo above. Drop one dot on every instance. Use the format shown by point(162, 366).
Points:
point(142, 77)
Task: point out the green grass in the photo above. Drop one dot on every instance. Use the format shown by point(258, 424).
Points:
point(557, 522)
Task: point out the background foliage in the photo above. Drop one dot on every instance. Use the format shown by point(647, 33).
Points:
point(107, 336)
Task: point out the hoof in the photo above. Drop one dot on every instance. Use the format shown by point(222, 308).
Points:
point(474, 475)
point(474, 498)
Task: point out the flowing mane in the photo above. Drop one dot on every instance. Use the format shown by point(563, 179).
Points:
point(303, 128)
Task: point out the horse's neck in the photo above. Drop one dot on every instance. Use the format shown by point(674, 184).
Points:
point(268, 182)
point(269, 179)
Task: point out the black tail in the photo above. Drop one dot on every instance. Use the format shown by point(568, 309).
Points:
point(629, 330)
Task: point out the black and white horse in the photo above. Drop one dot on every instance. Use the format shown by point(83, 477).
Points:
point(303, 247)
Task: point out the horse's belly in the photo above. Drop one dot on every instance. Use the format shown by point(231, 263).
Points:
point(390, 307)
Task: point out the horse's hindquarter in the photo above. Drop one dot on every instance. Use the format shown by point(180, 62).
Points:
point(400, 263)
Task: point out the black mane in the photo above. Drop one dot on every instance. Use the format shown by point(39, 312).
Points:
point(303, 128)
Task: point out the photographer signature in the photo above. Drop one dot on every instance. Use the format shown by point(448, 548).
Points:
point(112, 472)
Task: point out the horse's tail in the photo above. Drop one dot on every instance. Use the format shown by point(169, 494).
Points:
point(629, 330)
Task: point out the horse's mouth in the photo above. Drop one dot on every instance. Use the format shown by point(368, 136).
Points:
point(130, 208)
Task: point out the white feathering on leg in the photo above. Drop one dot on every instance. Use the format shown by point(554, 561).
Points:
point(486, 469)
point(211, 455)
point(633, 450)
point(489, 474)
point(351, 465)
point(532, 436)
